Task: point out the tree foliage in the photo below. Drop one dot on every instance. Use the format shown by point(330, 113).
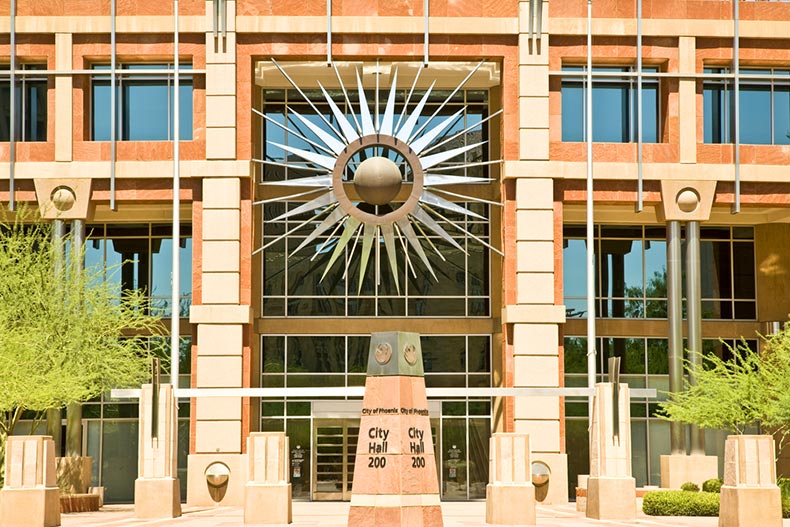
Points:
point(66, 335)
point(736, 393)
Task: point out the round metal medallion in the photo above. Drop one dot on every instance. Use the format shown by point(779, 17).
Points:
point(410, 354)
point(383, 353)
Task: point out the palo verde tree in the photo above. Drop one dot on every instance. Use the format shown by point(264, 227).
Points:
point(66, 334)
point(738, 392)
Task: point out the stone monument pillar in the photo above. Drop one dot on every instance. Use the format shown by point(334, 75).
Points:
point(395, 480)
point(611, 490)
point(157, 493)
point(750, 495)
point(510, 495)
point(267, 495)
point(30, 496)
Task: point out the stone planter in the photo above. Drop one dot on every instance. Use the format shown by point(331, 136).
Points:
point(750, 495)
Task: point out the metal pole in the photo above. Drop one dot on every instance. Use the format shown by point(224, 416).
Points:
point(175, 315)
point(694, 315)
point(74, 411)
point(590, 229)
point(12, 111)
point(425, 9)
point(639, 184)
point(55, 415)
point(113, 105)
point(677, 434)
point(736, 206)
point(328, 32)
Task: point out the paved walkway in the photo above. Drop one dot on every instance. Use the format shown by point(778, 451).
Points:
point(334, 514)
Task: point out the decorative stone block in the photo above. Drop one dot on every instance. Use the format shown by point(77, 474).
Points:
point(30, 497)
point(74, 474)
point(750, 495)
point(157, 492)
point(611, 491)
point(395, 481)
point(677, 469)
point(611, 498)
point(267, 495)
point(510, 494)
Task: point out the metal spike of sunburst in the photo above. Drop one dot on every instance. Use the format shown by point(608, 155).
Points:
point(378, 180)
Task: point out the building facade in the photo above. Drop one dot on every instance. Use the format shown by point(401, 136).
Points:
point(268, 301)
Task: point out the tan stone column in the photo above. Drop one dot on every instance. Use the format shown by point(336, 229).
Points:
point(687, 92)
point(64, 114)
point(221, 315)
point(535, 317)
point(221, 83)
point(220, 323)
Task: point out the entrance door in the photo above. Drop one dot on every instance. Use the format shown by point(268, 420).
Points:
point(335, 442)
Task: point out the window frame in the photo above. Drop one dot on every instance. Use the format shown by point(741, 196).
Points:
point(722, 77)
point(21, 100)
point(126, 72)
point(604, 74)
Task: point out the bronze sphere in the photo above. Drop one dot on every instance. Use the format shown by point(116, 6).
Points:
point(377, 180)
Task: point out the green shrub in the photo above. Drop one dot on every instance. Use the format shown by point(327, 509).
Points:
point(712, 485)
point(785, 507)
point(784, 486)
point(690, 487)
point(680, 503)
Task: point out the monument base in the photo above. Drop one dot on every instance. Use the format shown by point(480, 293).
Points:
point(510, 504)
point(677, 469)
point(376, 511)
point(611, 498)
point(157, 498)
point(750, 506)
point(267, 504)
point(30, 507)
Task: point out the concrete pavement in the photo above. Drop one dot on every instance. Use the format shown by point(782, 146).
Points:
point(334, 514)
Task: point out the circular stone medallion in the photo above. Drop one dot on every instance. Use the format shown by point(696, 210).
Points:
point(410, 354)
point(383, 353)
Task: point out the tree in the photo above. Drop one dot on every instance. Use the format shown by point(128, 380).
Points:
point(739, 392)
point(65, 335)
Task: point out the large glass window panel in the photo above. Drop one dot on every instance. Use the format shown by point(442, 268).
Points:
point(615, 104)
point(30, 105)
point(145, 104)
point(782, 113)
point(755, 114)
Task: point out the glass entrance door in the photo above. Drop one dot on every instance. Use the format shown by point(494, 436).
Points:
point(335, 442)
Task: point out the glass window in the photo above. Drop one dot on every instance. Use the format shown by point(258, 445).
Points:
point(631, 272)
point(144, 103)
point(764, 107)
point(30, 105)
point(141, 257)
point(614, 101)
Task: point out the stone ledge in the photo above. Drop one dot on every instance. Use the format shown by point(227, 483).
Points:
point(220, 314)
point(533, 314)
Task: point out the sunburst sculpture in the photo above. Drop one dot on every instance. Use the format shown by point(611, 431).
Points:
point(379, 141)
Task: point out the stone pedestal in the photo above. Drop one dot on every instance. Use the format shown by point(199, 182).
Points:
point(611, 498)
point(750, 495)
point(677, 469)
point(395, 480)
point(611, 491)
point(510, 495)
point(267, 495)
point(30, 497)
point(157, 492)
point(74, 474)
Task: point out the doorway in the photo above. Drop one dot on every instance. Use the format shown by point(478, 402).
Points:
point(335, 448)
